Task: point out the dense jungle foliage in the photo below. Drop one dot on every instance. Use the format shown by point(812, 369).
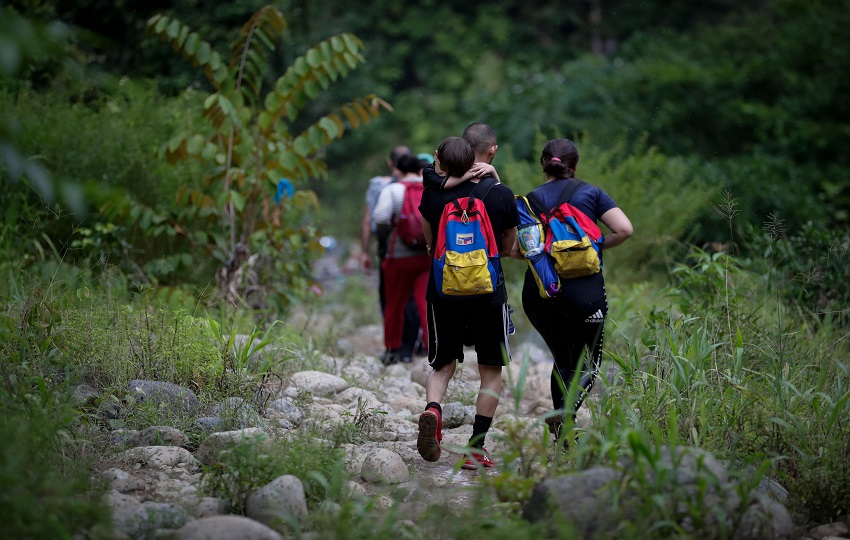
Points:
point(143, 148)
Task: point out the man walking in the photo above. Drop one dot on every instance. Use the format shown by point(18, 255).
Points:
point(368, 228)
point(480, 320)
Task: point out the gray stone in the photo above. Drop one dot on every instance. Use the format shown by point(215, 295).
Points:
point(289, 410)
point(208, 452)
point(837, 528)
point(281, 498)
point(166, 394)
point(119, 437)
point(384, 467)
point(558, 496)
point(457, 414)
point(209, 506)
point(160, 457)
point(158, 436)
point(209, 424)
point(691, 480)
point(319, 383)
point(109, 410)
point(765, 519)
point(122, 481)
point(143, 520)
point(236, 413)
point(225, 528)
point(85, 394)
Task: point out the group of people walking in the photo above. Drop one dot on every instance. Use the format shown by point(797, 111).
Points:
point(571, 321)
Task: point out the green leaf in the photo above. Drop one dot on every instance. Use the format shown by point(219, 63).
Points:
point(311, 88)
point(203, 55)
point(331, 128)
point(173, 30)
point(191, 46)
point(317, 137)
point(322, 79)
point(301, 67)
point(264, 120)
point(351, 43)
point(195, 144)
point(337, 44)
point(288, 160)
point(184, 33)
point(302, 146)
point(314, 58)
point(209, 151)
point(215, 61)
point(238, 200)
point(351, 60)
point(161, 24)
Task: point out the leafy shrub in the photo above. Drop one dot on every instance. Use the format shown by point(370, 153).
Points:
point(44, 492)
point(110, 345)
point(45, 485)
point(807, 266)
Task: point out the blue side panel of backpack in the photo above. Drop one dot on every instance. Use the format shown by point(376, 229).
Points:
point(548, 282)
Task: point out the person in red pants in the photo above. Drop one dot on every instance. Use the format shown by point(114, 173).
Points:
point(405, 267)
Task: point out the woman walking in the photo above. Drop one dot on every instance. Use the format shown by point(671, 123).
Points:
point(572, 320)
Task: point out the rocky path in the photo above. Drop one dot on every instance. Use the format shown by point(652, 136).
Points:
point(155, 479)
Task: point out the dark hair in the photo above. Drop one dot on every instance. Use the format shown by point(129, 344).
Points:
point(408, 163)
point(456, 156)
point(397, 152)
point(480, 136)
point(559, 158)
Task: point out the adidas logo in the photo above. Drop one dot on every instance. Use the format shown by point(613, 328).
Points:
point(596, 317)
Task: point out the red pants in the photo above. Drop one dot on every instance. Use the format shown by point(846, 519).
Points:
point(401, 278)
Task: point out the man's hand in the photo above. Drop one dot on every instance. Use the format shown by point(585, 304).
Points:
point(365, 262)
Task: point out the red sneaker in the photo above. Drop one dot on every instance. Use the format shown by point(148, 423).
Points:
point(479, 457)
point(430, 434)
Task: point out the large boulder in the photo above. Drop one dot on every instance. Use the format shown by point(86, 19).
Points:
point(691, 484)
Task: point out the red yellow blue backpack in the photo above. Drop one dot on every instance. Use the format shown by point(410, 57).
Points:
point(572, 239)
point(466, 255)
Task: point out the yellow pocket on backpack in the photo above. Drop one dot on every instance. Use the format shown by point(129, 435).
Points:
point(574, 259)
point(466, 273)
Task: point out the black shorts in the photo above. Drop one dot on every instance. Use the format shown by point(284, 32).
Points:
point(451, 325)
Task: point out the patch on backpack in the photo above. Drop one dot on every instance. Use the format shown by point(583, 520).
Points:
point(464, 239)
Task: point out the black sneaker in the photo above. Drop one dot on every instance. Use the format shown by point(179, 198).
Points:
point(389, 358)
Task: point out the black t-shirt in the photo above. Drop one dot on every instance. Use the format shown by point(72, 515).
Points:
point(503, 214)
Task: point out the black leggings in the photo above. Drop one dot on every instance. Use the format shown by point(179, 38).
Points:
point(573, 334)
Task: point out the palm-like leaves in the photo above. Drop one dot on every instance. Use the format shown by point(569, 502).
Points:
point(253, 144)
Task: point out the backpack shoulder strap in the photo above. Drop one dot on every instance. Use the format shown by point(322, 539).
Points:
point(570, 188)
point(481, 189)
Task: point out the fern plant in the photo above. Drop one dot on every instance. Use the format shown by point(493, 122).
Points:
point(252, 145)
